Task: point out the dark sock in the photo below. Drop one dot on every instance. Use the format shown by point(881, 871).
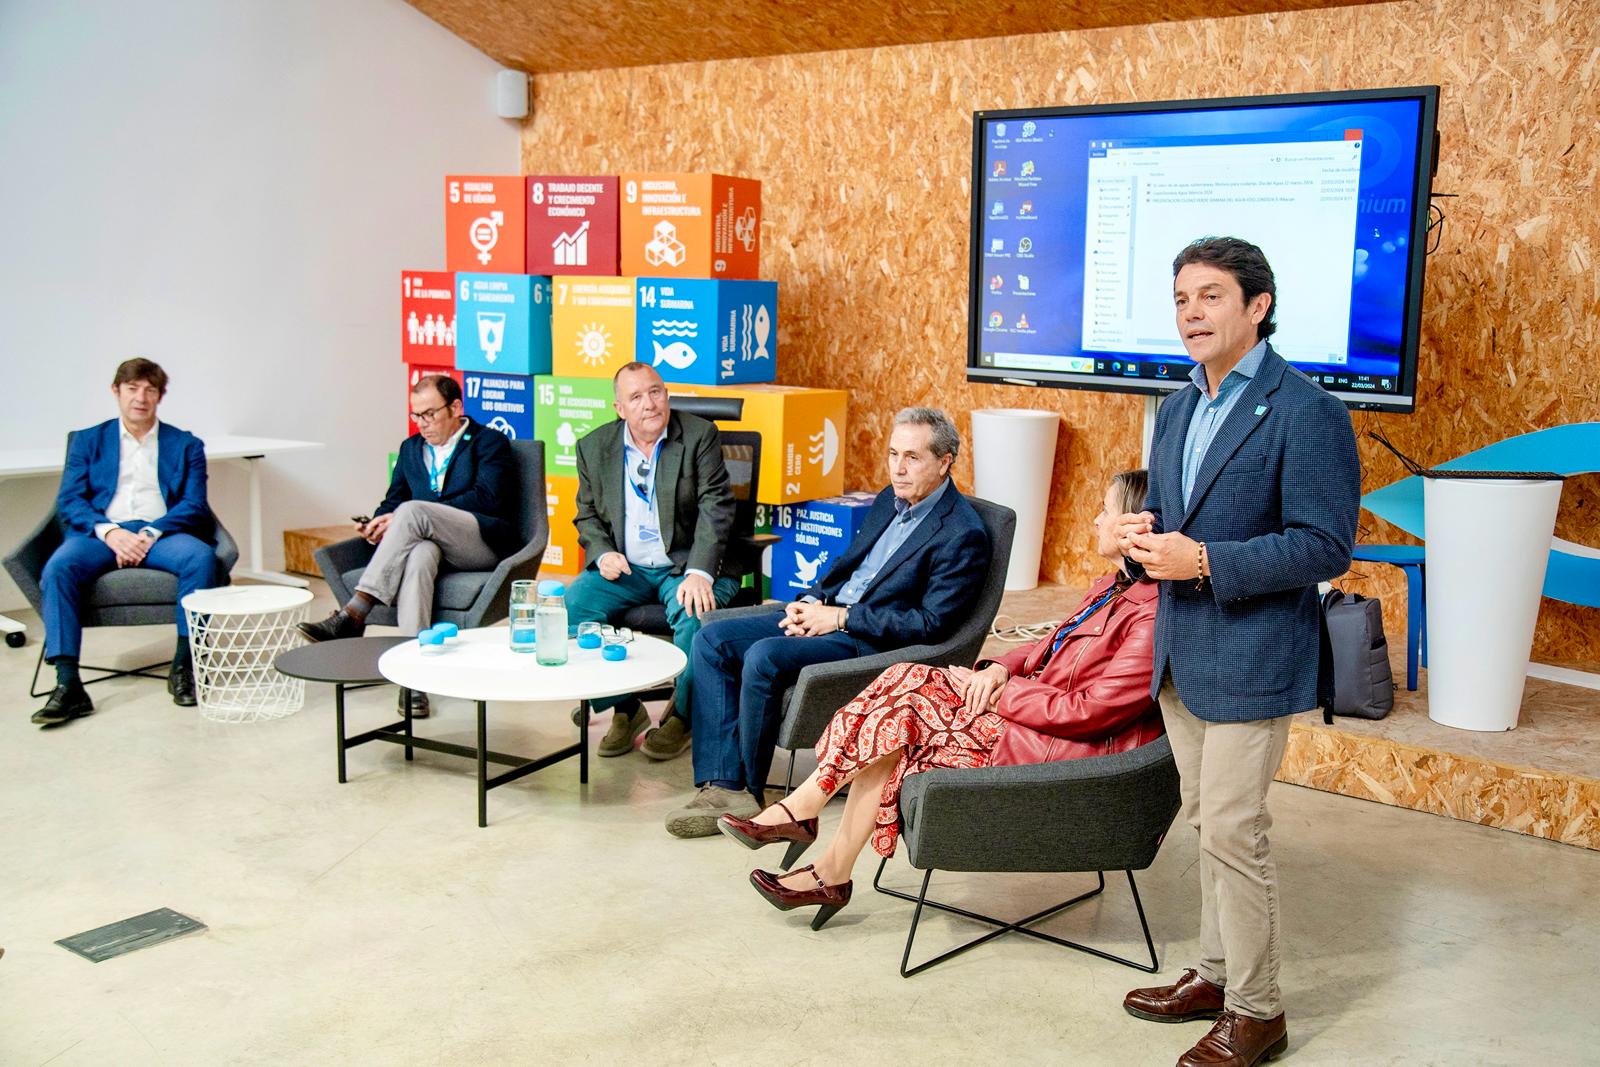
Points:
point(67, 670)
point(181, 656)
point(722, 783)
point(359, 605)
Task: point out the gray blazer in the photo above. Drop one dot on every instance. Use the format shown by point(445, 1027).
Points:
point(1275, 501)
point(693, 495)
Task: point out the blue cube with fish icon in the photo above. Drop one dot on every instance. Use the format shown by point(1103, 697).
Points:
point(813, 535)
point(703, 331)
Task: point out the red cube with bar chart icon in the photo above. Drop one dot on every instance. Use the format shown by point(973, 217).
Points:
point(428, 317)
point(484, 224)
point(572, 224)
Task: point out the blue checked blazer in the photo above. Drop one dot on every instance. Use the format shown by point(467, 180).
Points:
point(1275, 500)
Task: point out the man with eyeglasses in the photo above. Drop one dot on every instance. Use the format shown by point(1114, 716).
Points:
point(655, 508)
point(452, 499)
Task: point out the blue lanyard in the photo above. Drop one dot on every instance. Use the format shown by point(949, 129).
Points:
point(648, 497)
point(1083, 616)
point(436, 477)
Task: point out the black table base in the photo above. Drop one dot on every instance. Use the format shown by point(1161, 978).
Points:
point(400, 733)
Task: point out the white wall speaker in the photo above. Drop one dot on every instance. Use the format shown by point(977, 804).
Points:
point(511, 91)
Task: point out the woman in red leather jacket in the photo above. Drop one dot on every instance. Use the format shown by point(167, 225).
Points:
point(1082, 691)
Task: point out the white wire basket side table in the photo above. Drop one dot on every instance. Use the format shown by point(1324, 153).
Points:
point(235, 634)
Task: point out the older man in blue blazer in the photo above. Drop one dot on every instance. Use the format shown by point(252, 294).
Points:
point(133, 494)
point(1254, 490)
point(909, 577)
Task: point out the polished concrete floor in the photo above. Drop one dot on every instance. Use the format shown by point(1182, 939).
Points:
point(374, 923)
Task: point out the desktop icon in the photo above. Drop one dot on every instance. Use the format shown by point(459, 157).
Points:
point(1027, 208)
point(1022, 281)
point(1027, 169)
point(1022, 322)
point(999, 168)
point(1116, 366)
point(997, 283)
point(1161, 369)
point(1024, 245)
point(1029, 128)
point(996, 320)
point(998, 209)
point(998, 244)
point(999, 129)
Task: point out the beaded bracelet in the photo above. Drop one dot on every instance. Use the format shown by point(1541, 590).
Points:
point(1200, 566)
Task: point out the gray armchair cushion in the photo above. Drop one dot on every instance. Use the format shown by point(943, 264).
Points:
point(1105, 813)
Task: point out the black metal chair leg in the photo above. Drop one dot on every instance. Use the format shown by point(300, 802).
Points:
point(338, 724)
point(409, 708)
point(583, 742)
point(106, 674)
point(483, 764)
point(916, 917)
point(1143, 924)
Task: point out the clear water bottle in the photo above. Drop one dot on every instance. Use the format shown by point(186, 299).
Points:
point(524, 635)
point(550, 619)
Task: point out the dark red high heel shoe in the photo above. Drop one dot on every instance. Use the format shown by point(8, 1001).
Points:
point(830, 897)
point(800, 833)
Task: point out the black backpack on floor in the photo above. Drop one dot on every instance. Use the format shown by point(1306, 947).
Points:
point(1356, 677)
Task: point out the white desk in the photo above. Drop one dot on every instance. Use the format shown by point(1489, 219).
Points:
point(481, 667)
point(31, 462)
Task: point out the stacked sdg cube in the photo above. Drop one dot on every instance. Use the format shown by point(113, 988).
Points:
point(553, 283)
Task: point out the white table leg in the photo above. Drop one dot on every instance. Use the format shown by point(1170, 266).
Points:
point(257, 570)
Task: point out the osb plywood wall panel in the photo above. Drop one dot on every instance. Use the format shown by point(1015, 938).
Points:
point(544, 36)
point(866, 155)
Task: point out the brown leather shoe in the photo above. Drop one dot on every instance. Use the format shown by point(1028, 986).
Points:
point(1238, 1041)
point(830, 897)
point(800, 833)
point(1190, 997)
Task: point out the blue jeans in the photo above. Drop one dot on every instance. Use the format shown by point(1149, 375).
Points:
point(591, 598)
point(74, 567)
point(742, 668)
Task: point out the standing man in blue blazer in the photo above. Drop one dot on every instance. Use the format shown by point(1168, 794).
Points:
point(1254, 490)
point(133, 494)
point(453, 499)
point(908, 578)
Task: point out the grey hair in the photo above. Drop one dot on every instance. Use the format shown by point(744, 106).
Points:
point(946, 441)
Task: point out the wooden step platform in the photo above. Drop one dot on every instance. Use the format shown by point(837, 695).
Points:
point(298, 545)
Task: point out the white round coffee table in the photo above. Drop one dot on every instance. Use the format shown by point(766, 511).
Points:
point(235, 634)
point(480, 666)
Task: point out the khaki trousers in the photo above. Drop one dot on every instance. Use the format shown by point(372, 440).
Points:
point(403, 569)
point(1224, 769)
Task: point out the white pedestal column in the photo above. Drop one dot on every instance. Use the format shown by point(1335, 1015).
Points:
point(1013, 453)
point(1488, 544)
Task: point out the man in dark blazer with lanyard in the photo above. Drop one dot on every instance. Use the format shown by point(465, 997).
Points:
point(908, 578)
point(133, 494)
point(452, 499)
point(654, 510)
point(1255, 486)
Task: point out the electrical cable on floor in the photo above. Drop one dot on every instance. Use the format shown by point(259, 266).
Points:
point(1018, 633)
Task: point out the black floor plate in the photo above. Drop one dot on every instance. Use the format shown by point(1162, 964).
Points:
point(120, 938)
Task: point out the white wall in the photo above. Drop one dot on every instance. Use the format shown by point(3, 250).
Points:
point(232, 190)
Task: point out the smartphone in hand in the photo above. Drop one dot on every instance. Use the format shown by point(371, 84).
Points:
point(361, 520)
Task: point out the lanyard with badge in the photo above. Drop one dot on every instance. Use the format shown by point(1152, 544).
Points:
point(649, 531)
point(1116, 590)
point(437, 472)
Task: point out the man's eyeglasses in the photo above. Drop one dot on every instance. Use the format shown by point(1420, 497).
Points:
point(422, 418)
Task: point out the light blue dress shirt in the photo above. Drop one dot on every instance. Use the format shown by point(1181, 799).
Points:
point(641, 519)
point(1210, 414)
point(908, 517)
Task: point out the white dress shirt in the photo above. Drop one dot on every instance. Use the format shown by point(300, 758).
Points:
point(138, 494)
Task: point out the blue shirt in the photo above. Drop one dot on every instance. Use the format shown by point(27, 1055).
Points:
point(641, 514)
point(907, 518)
point(1210, 414)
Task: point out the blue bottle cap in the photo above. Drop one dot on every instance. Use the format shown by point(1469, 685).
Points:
point(614, 652)
point(446, 630)
point(551, 587)
point(430, 637)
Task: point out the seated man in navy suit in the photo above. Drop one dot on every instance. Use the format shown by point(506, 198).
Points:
point(133, 494)
point(452, 499)
point(908, 578)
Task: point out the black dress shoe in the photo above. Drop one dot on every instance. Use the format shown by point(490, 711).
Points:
point(67, 702)
point(333, 627)
point(180, 683)
point(419, 704)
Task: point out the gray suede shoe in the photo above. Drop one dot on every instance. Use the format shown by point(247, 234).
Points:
point(628, 720)
point(698, 818)
point(667, 741)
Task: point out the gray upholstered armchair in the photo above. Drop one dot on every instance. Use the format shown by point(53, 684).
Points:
point(130, 596)
point(466, 598)
point(1105, 813)
point(824, 688)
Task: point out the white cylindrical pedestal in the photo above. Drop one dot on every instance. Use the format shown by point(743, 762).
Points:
point(1488, 544)
point(236, 633)
point(1013, 452)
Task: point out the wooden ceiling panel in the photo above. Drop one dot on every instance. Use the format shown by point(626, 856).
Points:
point(550, 36)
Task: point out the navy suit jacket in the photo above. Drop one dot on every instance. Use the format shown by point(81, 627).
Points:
point(924, 590)
point(1275, 501)
point(89, 480)
point(481, 478)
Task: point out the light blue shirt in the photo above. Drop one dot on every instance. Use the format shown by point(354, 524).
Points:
point(641, 518)
point(908, 517)
point(439, 456)
point(1210, 414)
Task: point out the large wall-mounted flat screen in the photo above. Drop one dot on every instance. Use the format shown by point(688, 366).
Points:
point(1077, 213)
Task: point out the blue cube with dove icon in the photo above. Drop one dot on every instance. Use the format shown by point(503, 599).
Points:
point(814, 534)
point(701, 331)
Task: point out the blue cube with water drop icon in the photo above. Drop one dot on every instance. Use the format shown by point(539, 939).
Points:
point(703, 331)
point(503, 323)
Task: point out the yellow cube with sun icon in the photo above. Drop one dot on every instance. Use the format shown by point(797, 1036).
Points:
point(591, 325)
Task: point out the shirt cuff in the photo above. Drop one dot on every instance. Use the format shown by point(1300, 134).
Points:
point(103, 528)
point(809, 599)
point(701, 573)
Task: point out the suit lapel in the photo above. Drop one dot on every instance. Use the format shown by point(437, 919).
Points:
point(668, 466)
point(1248, 413)
point(919, 537)
point(614, 484)
point(458, 455)
point(1170, 461)
point(169, 462)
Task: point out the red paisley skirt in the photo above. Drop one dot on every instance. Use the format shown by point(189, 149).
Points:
point(908, 707)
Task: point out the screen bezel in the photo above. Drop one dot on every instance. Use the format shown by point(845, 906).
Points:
point(1402, 401)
